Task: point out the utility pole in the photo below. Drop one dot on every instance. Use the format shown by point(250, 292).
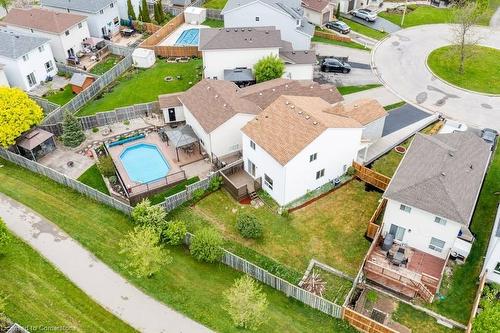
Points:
point(404, 14)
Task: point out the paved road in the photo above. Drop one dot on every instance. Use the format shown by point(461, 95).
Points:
point(399, 61)
point(379, 24)
point(96, 279)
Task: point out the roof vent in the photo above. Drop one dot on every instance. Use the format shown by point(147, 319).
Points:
point(300, 112)
point(242, 30)
point(293, 52)
point(292, 106)
point(287, 102)
point(216, 96)
point(208, 88)
point(307, 117)
point(443, 174)
point(311, 87)
point(249, 29)
point(225, 104)
point(315, 123)
point(235, 30)
point(274, 89)
point(227, 30)
point(470, 167)
point(331, 89)
point(260, 94)
point(356, 106)
point(267, 32)
point(286, 85)
point(450, 153)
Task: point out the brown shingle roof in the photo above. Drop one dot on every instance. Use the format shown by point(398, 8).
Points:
point(239, 38)
point(213, 102)
point(291, 123)
point(169, 100)
point(364, 111)
point(442, 174)
point(42, 19)
point(315, 5)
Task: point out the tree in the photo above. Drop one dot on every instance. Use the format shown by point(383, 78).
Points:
point(269, 68)
point(161, 13)
point(145, 16)
point(5, 4)
point(144, 255)
point(4, 236)
point(246, 303)
point(465, 17)
point(249, 226)
point(157, 13)
point(131, 11)
point(73, 134)
point(206, 245)
point(146, 215)
point(175, 232)
point(18, 113)
point(106, 166)
point(488, 320)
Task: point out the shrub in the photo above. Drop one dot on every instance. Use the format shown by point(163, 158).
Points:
point(206, 245)
point(106, 166)
point(73, 134)
point(175, 232)
point(197, 195)
point(113, 179)
point(126, 122)
point(215, 183)
point(145, 214)
point(4, 236)
point(95, 129)
point(246, 303)
point(351, 171)
point(269, 68)
point(249, 226)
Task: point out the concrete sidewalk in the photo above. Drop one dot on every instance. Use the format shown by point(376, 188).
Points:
point(96, 279)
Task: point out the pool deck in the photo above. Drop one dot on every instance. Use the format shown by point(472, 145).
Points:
point(151, 138)
point(172, 38)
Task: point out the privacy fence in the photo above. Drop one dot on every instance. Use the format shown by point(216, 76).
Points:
point(109, 117)
point(46, 105)
point(212, 13)
point(178, 199)
point(64, 180)
point(331, 36)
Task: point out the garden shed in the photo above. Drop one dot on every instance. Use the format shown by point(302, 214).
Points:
point(36, 144)
point(143, 58)
point(195, 15)
point(79, 82)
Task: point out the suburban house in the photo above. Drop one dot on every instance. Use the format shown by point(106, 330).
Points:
point(347, 5)
point(27, 59)
point(430, 202)
point(318, 12)
point(298, 144)
point(217, 110)
point(123, 8)
point(286, 15)
point(103, 16)
point(65, 32)
point(492, 261)
point(230, 54)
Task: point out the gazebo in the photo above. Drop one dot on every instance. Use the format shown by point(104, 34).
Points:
point(183, 138)
point(36, 144)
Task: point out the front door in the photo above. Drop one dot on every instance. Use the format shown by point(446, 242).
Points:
point(71, 53)
point(171, 115)
point(104, 31)
point(397, 232)
point(251, 168)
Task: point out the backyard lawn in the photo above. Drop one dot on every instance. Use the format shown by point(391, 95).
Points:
point(186, 285)
point(160, 197)
point(142, 86)
point(61, 97)
point(330, 230)
point(352, 45)
point(481, 67)
point(39, 296)
point(93, 178)
point(214, 23)
point(215, 4)
point(346, 90)
point(364, 30)
point(109, 62)
point(419, 321)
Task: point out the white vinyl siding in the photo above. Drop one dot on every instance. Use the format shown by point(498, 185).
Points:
point(405, 208)
point(440, 220)
point(437, 244)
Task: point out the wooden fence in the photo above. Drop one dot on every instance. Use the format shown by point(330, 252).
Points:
point(64, 180)
point(150, 28)
point(332, 36)
point(163, 32)
point(365, 324)
point(371, 230)
point(176, 51)
point(371, 177)
point(475, 306)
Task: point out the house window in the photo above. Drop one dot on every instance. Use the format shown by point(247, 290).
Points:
point(49, 66)
point(116, 21)
point(101, 12)
point(313, 157)
point(41, 48)
point(497, 268)
point(268, 181)
point(405, 208)
point(31, 79)
point(320, 173)
point(111, 5)
point(397, 231)
point(436, 244)
point(439, 220)
point(25, 57)
point(80, 25)
point(66, 32)
point(257, 19)
point(215, 77)
point(252, 144)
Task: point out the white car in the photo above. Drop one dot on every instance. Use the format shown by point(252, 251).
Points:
point(365, 14)
point(451, 126)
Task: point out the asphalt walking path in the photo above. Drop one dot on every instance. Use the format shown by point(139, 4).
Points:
point(91, 275)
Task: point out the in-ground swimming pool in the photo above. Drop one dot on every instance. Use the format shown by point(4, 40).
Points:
point(144, 163)
point(189, 37)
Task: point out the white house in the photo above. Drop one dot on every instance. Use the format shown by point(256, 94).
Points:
point(123, 8)
point(432, 196)
point(492, 261)
point(27, 59)
point(348, 5)
point(230, 54)
point(318, 12)
point(103, 16)
point(64, 31)
point(297, 145)
point(286, 15)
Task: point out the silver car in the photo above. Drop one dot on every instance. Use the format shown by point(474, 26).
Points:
point(365, 14)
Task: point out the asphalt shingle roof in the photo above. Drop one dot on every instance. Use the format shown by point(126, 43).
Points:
point(239, 38)
point(88, 6)
point(42, 19)
point(14, 44)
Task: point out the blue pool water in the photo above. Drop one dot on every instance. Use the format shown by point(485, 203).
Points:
point(144, 163)
point(189, 37)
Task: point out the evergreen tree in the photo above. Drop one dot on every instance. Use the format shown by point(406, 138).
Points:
point(131, 12)
point(337, 15)
point(139, 16)
point(157, 13)
point(72, 135)
point(146, 17)
point(161, 12)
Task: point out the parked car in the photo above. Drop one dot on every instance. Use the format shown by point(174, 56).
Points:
point(489, 136)
point(335, 65)
point(339, 26)
point(365, 14)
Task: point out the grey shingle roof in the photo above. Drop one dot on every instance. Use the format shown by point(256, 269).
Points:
point(239, 38)
point(87, 6)
point(442, 174)
point(14, 45)
point(288, 55)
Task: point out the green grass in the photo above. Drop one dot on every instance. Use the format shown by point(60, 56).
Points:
point(352, 45)
point(186, 285)
point(364, 30)
point(93, 178)
point(38, 295)
point(481, 68)
point(61, 97)
point(160, 197)
point(144, 85)
point(212, 23)
point(394, 106)
point(346, 90)
point(330, 230)
point(460, 290)
point(105, 65)
point(215, 4)
point(418, 321)
point(336, 288)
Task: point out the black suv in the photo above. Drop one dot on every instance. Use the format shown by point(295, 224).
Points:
point(335, 65)
point(339, 26)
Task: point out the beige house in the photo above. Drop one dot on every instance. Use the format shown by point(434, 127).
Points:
point(318, 12)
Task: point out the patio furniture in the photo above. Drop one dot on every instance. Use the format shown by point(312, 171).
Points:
point(127, 32)
point(185, 139)
point(399, 257)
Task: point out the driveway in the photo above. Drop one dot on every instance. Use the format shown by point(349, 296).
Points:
point(379, 24)
point(399, 61)
point(402, 117)
point(91, 275)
